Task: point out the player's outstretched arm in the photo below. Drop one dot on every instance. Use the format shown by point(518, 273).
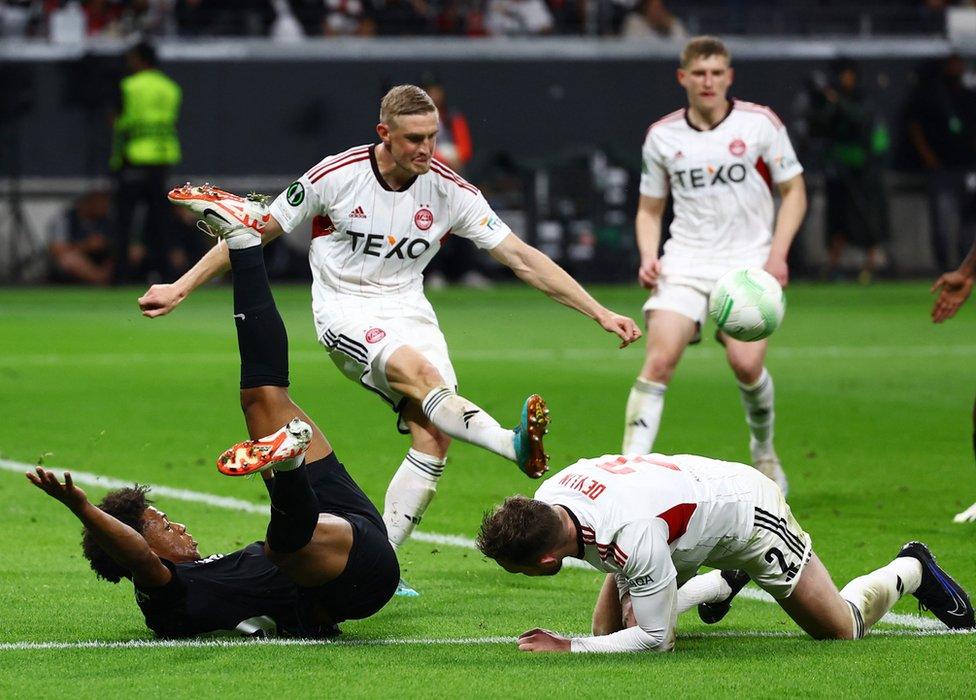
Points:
point(654, 614)
point(792, 209)
point(536, 268)
point(954, 288)
point(127, 547)
point(160, 299)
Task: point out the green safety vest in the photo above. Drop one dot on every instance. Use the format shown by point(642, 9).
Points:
point(145, 131)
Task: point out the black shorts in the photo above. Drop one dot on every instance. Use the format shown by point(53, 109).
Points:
point(372, 572)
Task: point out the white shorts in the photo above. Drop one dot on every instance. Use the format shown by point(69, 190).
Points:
point(779, 548)
point(361, 346)
point(687, 296)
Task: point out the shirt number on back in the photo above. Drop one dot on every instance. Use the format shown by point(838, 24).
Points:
point(619, 465)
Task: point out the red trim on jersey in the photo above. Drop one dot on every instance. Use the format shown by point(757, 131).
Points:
point(322, 226)
point(763, 170)
point(759, 109)
point(677, 519)
point(444, 237)
point(357, 159)
point(676, 114)
point(358, 150)
point(604, 550)
point(448, 174)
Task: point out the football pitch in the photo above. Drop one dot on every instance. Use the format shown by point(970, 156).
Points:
point(873, 427)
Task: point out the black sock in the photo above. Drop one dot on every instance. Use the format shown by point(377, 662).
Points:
point(294, 511)
point(261, 335)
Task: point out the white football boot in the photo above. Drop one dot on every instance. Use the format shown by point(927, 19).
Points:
point(238, 220)
point(765, 460)
point(280, 450)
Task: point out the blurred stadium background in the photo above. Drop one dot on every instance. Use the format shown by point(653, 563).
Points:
point(557, 95)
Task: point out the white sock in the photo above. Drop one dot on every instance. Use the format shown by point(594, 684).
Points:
point(243, 240)
point(643, 418)
point(874, 594)
point(757, 400)
point(288, 464)
point(409, 493)
point(704, 588)
point(461, 419)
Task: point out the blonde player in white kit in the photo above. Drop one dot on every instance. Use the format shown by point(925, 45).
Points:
point(378, 214)
point(716, 158)
point(651, 520)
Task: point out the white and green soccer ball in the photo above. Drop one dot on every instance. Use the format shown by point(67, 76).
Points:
point(747, 304)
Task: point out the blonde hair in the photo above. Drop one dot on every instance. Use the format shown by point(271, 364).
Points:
point(703, 47)
point(405, 99)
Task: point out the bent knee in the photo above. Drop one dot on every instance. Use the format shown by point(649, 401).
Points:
point(659, 367)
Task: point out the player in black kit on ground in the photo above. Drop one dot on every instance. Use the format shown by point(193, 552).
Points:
point(326, 557)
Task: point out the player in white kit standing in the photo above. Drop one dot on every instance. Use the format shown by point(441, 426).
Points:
point(650, 521)
point(379, 214)
point(718, 159)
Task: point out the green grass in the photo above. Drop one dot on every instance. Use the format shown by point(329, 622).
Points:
point(873, 426)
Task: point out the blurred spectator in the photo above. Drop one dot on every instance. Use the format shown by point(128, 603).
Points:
point(347, 18)
point(80, 247)
point(102, 16)
point(942, 130)
point(855, 141)
point(518, 17)
point(145, 147)
point(20, 18)
point(652, 19)
point(223, 17)
point(402, 17)
point(454, 147)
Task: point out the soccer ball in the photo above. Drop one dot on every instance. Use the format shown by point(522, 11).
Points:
point(747, 304)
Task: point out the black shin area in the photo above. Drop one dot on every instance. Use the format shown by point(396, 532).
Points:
point(261, 335)
point(294, 511)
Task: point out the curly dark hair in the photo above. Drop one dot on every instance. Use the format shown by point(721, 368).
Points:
point(127, 505)
point(519, 531)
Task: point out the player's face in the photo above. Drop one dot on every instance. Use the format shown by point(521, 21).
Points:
point(411, 139)
point(168, 540)
point(548, 568)
point(706, 80)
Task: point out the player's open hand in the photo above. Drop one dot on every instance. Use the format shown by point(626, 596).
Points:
point(543, 640)
point(69, 494)
point(648, 273)
point(954, 288)
point(160, 299)
point(623, 326)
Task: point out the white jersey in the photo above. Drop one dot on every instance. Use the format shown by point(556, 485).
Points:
point(656, 518)
point(370, 243)
point(720, 182)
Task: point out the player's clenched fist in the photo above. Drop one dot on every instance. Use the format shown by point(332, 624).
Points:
point(160, 299)
point(543, 640)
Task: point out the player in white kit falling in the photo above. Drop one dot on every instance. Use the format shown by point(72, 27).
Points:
point(379, 214)
point(651, 520)
point(716, 158)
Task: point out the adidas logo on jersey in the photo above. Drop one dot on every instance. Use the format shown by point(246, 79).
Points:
point(357, 213)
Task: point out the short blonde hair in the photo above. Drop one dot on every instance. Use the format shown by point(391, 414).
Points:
point(405, 99)
point(703, 47)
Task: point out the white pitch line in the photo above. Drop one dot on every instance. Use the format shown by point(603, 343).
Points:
point(88, 479)
point(500, 354)
point(229, 643)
